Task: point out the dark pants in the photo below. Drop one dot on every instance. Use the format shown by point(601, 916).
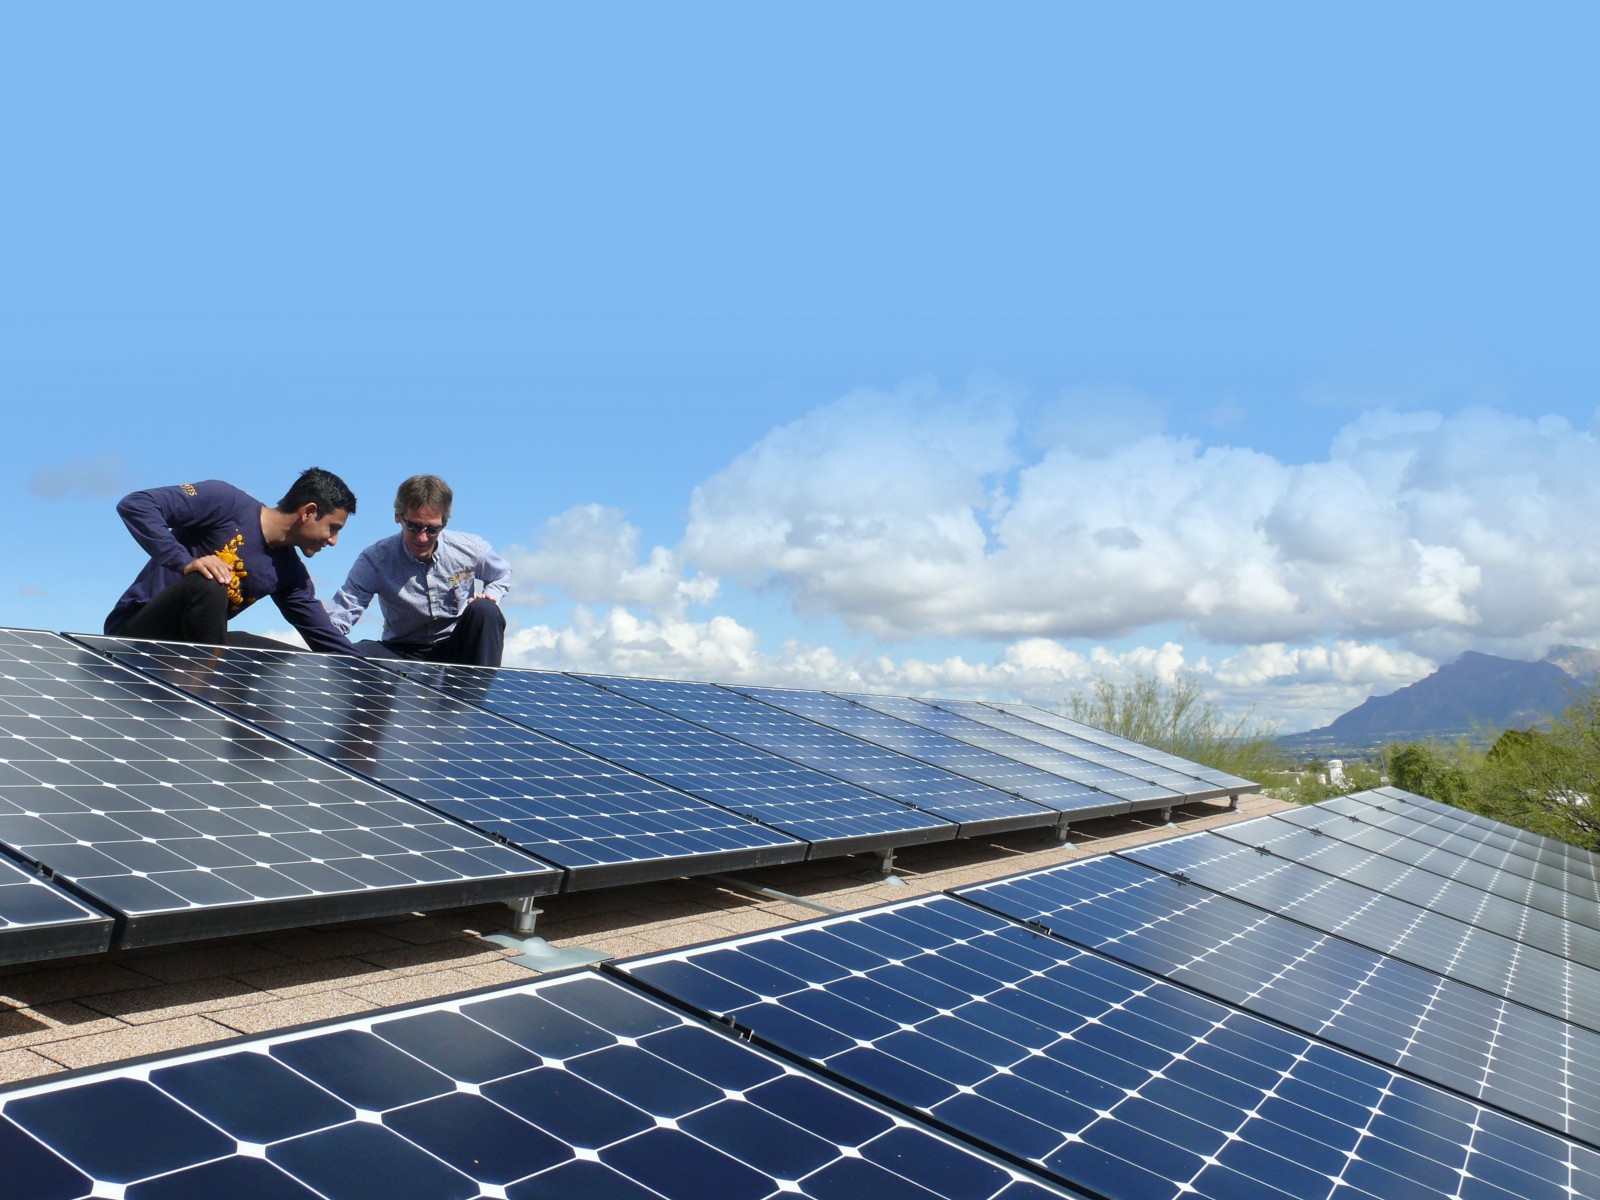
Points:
point(478, 640)
point(194, 609)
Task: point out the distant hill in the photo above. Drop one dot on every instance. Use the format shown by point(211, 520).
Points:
point(1475, 694)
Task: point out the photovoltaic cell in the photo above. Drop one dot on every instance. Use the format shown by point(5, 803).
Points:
point(1415, 885)
point(1188, 786)
point(1546, 859)
point(1437, 943)
point(1467, 857)
point(978, 809)
point(1105, 1077)
point(605, 825)
point(189, 824)
point(39, 920)
point(1072, 800)
point(833, 816)
point(576, 1087)
point(1525, 1062)
point(1221, 779)
point(1140, 793)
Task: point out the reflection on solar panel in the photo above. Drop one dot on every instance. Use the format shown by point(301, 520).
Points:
point(835, 817)
point(1072, 800)
point(577, 1087)
point(1497, 964)
point(1107, 1079)
point(1221, 779)
point(1459, 1037)
point(1462, 901)
point(1190, 787)
point(1466, 857)
point(39, 920)
point(603, 824)
point(1140, 793)
point(978, 809)
point(193, 825)
point(1547, 860)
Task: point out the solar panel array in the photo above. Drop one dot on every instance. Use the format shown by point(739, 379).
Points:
point(579, 1087)
point(151, 791)
point(833, 816)
point(1100, 1076)
point(602, 823)
point(182, 823)
point(977, 808)
point(1102, 1028)
point(1322, 985)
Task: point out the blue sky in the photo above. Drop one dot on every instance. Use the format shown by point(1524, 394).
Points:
point(927, 348)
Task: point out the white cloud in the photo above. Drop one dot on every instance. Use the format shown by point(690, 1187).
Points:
point(591, 553)
point(97, 475)
point(914, 514)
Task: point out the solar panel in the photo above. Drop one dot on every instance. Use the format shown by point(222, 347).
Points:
point(1416, 885)
point(573, 1087)
point(1525, 1062)
point(1437, 943)
point(1465, 856)
point(1548, 859)
point(1074, 801)
point(833, 816)
point(1140, 793)
point(604, 825)
point(1222, 779)
point(978, 809)
point(1102, 1076)
point(39, 920)
point(1188, 786)
point(189, 824)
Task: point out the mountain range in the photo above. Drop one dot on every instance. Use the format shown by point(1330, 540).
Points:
point(1477, 696)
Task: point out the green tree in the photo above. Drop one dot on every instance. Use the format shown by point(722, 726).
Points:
point(1174, 715)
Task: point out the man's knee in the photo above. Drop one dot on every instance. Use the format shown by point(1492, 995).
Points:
point(204, 593)
point(483, 614)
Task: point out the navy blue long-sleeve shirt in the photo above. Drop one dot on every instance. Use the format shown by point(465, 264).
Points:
point(177, 525)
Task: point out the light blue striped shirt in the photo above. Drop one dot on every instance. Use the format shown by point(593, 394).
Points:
point(420, 600)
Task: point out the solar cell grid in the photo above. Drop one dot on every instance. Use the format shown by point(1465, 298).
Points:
point(578, 1087)
point(1073, 800)
point(1189, 786)
point(1221, 779)
point(1502, 872)
point(1548, 860)
point(1102, 1076)
point(1433, 1028)
point(831, 815)
point(605, 825)
point(1140, 793)
point(190, 824)
point(1416, 885)
point(1524, 974)
point(978, 809)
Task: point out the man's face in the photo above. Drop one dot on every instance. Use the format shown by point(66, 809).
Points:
point(315, 530)
point(421, 528)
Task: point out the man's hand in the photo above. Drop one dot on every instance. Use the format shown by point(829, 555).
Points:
point(211, 567)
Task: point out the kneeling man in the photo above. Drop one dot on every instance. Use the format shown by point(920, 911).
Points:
point(426, 579)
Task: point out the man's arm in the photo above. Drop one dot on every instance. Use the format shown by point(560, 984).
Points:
point(155, 517)
point(297, 601)
point(353, 596)
point(495, 572)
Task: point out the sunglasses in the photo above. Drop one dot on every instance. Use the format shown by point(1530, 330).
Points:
point(424, 527)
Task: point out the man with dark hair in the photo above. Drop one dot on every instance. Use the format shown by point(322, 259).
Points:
point(215, 550)
point(427, 580)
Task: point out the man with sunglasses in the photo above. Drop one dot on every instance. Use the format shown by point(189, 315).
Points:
point(439, 589)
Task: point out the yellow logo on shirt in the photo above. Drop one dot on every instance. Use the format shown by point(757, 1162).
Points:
point(187, 489)
point(230, 555)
